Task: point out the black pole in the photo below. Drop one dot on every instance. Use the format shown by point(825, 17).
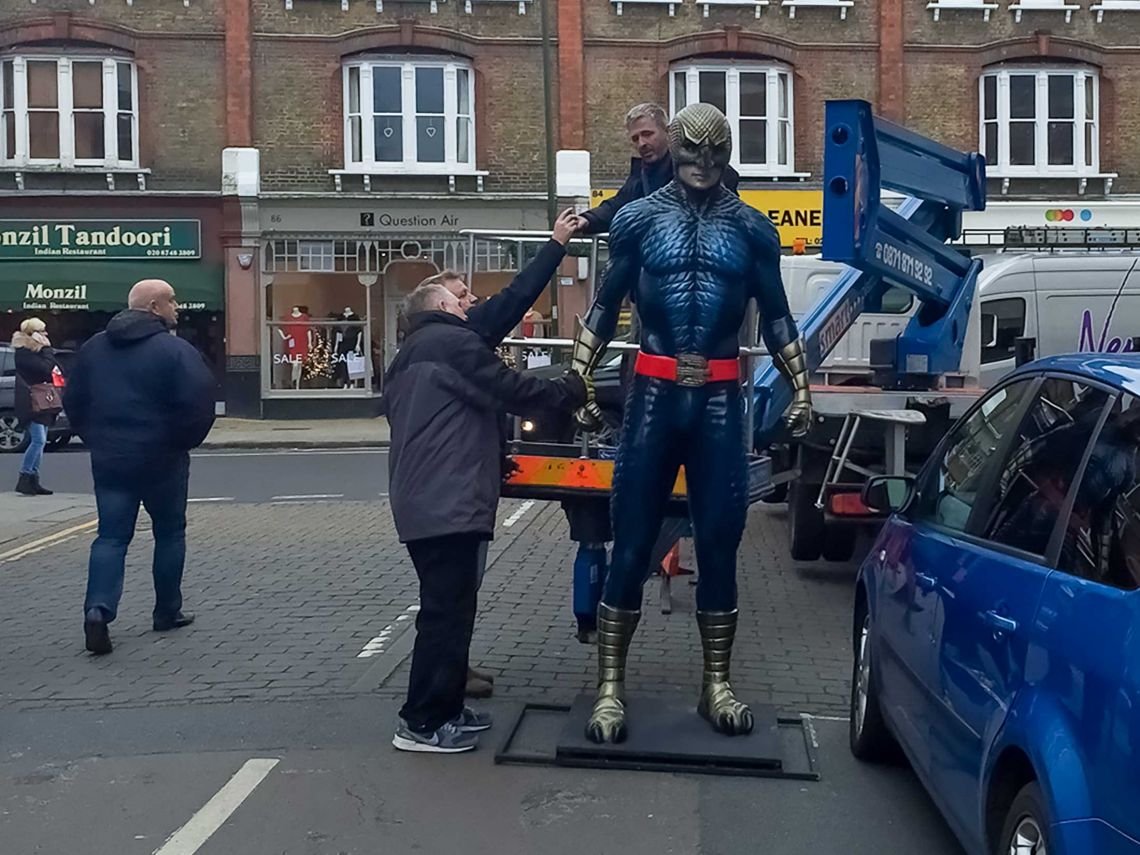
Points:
point(548, 110)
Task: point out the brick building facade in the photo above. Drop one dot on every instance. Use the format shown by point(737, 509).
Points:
point(363, 135)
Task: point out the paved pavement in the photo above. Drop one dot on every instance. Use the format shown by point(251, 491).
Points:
point(299, 656)
point(291, 433)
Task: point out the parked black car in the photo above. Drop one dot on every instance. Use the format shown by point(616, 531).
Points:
point(543, 426)
point(13, 438)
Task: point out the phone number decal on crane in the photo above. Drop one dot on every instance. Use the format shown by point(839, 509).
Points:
point(904, 263)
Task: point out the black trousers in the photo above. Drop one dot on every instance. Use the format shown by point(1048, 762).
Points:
point(448, 569)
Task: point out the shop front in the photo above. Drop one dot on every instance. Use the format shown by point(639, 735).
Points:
point(334, 278)
point(75, 274)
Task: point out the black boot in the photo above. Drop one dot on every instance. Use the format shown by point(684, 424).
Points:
point(40, 489)
point(95, 631)
point(26, 486)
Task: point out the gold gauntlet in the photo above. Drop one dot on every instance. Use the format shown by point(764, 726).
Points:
point(588, 349)
point(791, 361)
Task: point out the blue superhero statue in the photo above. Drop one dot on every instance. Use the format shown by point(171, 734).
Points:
point(692, 255)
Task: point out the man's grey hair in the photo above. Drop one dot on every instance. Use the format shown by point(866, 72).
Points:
point(441, 277)
point(648, 110)
point(426, 298)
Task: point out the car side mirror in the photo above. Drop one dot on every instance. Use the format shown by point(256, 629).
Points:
point(886, 494)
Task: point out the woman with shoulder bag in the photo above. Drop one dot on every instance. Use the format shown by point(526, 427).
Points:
point(38, 401)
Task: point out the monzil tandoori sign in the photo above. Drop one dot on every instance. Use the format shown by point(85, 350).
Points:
point(58, 240)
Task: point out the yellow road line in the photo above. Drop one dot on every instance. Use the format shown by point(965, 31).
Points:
point(50, 540)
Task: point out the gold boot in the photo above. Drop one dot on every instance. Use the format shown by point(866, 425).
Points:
point(615, 629)
point(719, 706)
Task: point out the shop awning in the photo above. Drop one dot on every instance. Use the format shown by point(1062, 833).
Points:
point(103, 285)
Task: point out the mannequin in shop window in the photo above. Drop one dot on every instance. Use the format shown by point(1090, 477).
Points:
point(297, 340)
point(349, 347)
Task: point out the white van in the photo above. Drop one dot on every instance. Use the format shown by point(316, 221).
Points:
point(1062, 299)
point(1065, 300)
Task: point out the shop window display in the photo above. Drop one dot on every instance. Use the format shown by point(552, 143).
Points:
point(317, 339)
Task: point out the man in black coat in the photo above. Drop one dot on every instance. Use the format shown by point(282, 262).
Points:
point(493, 319)
point(443, 396)
point(141, 398)
point(650, 169)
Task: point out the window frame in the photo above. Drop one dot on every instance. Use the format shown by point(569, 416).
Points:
point(66, 111)
point(1085, 164)
point(690, 72)
point(970, 533)
point(1024, 320)
point(366, 115)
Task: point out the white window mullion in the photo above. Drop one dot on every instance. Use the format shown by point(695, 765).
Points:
point(450, 116)
point(408, 107)
point(346, 113)
point(771, 120)
point(1079, 122)
point(111, 112)
point(982, 115)
point(136, 145)
point(732, 109)
point(692, 86)
point(1095, 123)
point(20, 103)
point(367, 118)
point(66, 116)
point(471, 159)
point(1003, 120)
point(791, 122)
point(1041, 121)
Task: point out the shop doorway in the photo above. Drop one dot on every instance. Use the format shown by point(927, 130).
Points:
point(399, 280)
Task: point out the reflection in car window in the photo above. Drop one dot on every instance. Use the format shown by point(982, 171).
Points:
point(1102, 538)
point(948, 499)
point(1042, 463)
point(7, 362)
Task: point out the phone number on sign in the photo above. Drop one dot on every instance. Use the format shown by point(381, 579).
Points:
point(172, 253)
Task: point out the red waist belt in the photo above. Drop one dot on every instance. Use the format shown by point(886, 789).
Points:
point(688, 369)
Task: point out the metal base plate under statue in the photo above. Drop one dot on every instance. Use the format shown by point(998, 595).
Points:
point(663, 735)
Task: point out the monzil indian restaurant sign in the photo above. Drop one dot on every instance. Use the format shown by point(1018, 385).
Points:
point(78, 240)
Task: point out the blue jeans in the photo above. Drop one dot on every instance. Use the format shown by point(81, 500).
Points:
point(37, 436)
point(161, 489)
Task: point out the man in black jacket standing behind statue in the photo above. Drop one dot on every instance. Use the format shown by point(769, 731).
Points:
point(141, 398)
point(650, 169)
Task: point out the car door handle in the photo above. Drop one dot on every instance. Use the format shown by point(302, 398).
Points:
point(1000, 623)
point(925, 582)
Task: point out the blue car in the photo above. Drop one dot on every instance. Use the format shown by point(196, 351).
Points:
point(997, 621)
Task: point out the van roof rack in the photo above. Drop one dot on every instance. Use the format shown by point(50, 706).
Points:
point(1052, 237)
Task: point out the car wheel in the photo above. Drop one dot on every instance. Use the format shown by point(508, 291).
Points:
point(805, 522)
point(607, 435)
point(778, 495)
point(1026, 829)
point(13, 438)
point(60, 441)
point(870, 740)
point(839, 542)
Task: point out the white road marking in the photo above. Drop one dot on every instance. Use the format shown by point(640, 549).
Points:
point(375, 646)
point(213, 499)
point(518, 515)
point(308, 496)
point(189, 838)
point(45, 542)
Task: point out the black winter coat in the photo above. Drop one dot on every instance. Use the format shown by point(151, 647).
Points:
point(443, 396)
point(138, 395)
point(32, 367)
point(643, 180)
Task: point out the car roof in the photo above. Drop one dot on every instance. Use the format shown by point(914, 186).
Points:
point(1121, 370)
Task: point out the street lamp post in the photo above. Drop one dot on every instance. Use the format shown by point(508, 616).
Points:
point(548, 116)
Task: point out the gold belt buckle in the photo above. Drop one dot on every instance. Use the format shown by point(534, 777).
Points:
point(692, 370)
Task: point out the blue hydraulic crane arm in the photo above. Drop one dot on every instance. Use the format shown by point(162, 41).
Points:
point(884, 248)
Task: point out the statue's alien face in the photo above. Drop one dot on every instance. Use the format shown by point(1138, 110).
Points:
point(700, 143)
